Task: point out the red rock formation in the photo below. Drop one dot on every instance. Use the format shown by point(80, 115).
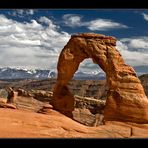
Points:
point(126, 99)
point(24, 124)
point(11, 95)
point(7, 105)
point(46, 109)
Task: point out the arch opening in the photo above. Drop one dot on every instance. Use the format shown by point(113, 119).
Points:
point(88, 70)
point(88, 82)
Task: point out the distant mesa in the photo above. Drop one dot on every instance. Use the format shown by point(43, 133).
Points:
point(126, 99)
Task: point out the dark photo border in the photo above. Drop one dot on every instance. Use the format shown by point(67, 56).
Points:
point(72, 4)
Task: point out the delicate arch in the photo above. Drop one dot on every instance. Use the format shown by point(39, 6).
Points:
point(125, 93)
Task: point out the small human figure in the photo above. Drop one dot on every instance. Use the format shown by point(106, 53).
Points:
point(99, 119)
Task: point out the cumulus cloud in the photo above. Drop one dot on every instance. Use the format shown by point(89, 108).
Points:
point(137, 43)
point(134, 50)
point(30, 44)
point(104, 24)
point(89, 67)
point(33, 45)
point(74, 20)
point(47, 21)
point(145, 16)
point(22, 12)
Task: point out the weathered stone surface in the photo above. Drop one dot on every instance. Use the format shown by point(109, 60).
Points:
point(11, 98)
point(126, 100)
point(7, 105)
point(46, 109)
point(85, 108)
point(41, 95)
point(24, 124)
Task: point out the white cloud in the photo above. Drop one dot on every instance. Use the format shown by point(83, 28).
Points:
point(104, 24)
point(45, 20)
point(30, 12)
point(134, 50)
point(88, 66)
point(137, 43)
point(22, 12)
point(30, 44)
point(74, 20)
point(145, 16)
point(18, 12)
point(48, 22)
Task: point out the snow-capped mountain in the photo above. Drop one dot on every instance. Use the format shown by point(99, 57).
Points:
point(91, 75)
point(20, 73)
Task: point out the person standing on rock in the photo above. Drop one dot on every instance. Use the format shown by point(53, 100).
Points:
point(99, 119)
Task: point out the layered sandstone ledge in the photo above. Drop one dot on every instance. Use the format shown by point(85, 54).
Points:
point(23, 124)
point(99, 37)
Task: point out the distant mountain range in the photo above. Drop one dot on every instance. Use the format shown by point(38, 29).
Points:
point(93, 75)
point(20, 73)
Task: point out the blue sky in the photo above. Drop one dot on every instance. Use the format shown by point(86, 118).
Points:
point(33, 38)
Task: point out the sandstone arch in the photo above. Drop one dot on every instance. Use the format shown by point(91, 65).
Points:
point(126, 99)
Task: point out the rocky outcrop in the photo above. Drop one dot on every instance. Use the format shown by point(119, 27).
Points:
point(126, 100)
point(28, 104)
point(11, 97)
point(144, 80)
point(93, 105)
point(41, 95)
point(46, 109)
point(7, 105)
point(85, 110)
point(24, 124)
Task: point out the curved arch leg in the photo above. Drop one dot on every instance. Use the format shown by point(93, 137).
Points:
point(63, 99)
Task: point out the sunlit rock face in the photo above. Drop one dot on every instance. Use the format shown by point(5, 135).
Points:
point(126, 100)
